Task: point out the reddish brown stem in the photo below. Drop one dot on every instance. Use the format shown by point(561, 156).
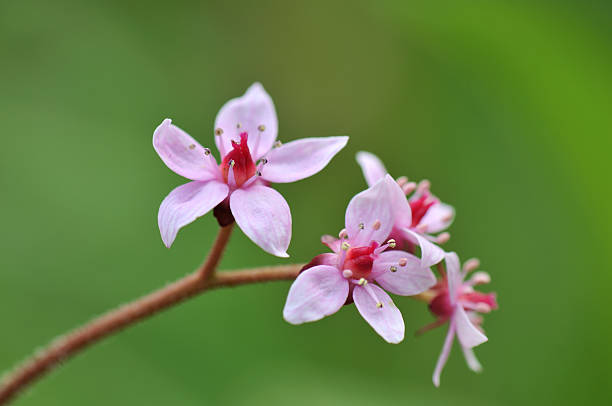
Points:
point(126, 315)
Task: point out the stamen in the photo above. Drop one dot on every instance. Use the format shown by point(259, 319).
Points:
point(362, 282)
point(379, 305)
point(376, 225)
point(219, 131)
point(480, 278)
point(391, 243)
point(277, 144)
point(409, 188)
point(347, 273)
point(443, 238)
point(343, 234)
point(471, 265)
point(361, 226)
point(261, 127)
point(238, 125)
point(231, 177)
point(393, 269)
point(423, 186)
point(192, 146)
point(206, 151)
point(345, 246)
point(402, 180)
point(403, 261)
point(264, 161)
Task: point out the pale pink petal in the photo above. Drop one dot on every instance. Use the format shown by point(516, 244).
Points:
point(439, 217)
point(184, 155)
point(401, 273)
point(316, 293)
point(369, 215)
point(332, 242)
point(446, 349)
point(263, 215)
point(401, 207)
point(185, 204)
point(377, 308)
point(372, 167)
point(431, 254)
point(454, 277)
point(250, 113)
point(469, 336)
point(471, 359)
point(300, 159)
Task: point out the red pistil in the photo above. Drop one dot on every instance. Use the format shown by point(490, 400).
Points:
point(359, 260)
point(419, 208)
point(243, 165)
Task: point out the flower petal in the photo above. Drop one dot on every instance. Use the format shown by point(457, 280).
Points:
point(439, 217)
point(401, 208)
point(407, 280)
point(185, 204)
point(264, 216)
point(453, 273)
point(386, 320)
point(469, 336)
point(372, 167)
point(316, 293)
point(471, 359)
point(431, 254)
point(366, 210)
point(250, 113)
point(446, 349)
point(300, 159)
point(184, 155)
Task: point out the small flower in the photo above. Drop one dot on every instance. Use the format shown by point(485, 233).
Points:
point(360, 267)
point(425, 216)
point(457, 302)
point(237, 189)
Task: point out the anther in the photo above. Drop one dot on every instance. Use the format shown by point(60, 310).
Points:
point(258, 173)
point(471, 264)
point(206, 151)
point(232, 163)
point(409, 188)
point(391, 243)
point(347, 273)
point(402, 180)
point(277, 144)
point(379, 305)
point(343, 234)
point(423, 186)
point(345, 246)
point(219, 131)
point(376, 225)
point(442, 238)
point(480, 278)
point(238, 125)
point(192, 146)
point(361, 226)
point(264, 161)
point(261, 128)
point(403, 261)
point(362, 282)
point(393, 269)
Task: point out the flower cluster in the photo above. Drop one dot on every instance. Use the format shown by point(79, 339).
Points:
point(391, 237)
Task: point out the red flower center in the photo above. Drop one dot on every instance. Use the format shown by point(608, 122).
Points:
point(419, 208)
point(239, 160)
point(359, 260)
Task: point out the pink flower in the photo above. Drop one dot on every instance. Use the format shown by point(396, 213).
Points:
point(457, 302)
point(251, 158)
point(361, 267)
point(427, 214)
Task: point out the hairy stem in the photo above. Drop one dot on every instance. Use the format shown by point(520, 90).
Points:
point(68, 345)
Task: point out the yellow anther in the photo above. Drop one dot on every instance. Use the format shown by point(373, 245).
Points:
point(379, 305)
point(362, 282)
point(393, 269)
point(192, 146)
point(219, 131)
point(361, 226)
point(391, 243)
point(261, 127)
point(345, 246)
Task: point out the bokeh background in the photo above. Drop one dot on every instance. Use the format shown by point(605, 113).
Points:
point(503, 105)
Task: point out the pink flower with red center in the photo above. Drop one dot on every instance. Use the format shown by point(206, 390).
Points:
point(458, 303)
point(428, 216)
point(251, 158)
point(360, 268)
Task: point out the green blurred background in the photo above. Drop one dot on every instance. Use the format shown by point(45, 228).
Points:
point(504, 106)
